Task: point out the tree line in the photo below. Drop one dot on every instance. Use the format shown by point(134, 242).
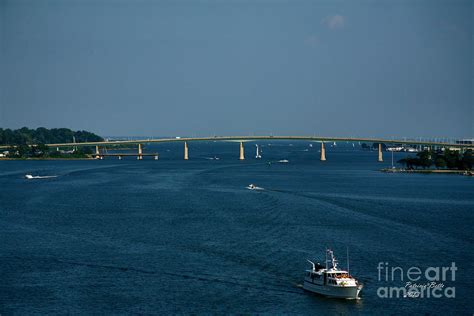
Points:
point(19, 142)
point(41, 135)
point(450, 159)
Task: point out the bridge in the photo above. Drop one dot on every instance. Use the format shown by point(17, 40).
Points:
point(242, 139)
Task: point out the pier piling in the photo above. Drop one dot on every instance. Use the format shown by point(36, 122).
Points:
point(97, 153)
point(323, 152)
point(380, 153)
point(140, 152)
point(186, 157)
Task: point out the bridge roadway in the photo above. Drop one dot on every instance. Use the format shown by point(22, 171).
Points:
point(257, 138)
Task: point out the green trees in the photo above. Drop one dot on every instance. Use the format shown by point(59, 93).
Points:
point(425, 159)
point(467, 160)
point(448, 159)
point(20, 139)
point(40, 151)
point(452, 158)
point(440, 162)
point(43, 135)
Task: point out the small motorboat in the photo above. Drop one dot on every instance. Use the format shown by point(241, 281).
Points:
point(29, 177)
point(283, 161)
point(252, 186)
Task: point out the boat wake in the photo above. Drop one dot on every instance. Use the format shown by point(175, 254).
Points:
point(29, 177)
point(191, 275)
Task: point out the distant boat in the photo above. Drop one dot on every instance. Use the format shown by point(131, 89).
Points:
point(29, 177)
point(252, 186)
point(257, 155)
point(283, 161)
point(395, 148)
point(310, 145)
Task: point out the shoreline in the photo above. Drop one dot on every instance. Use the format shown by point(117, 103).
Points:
point(38, 159)
point(428, 171)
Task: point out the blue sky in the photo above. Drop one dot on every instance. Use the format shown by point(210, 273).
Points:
point(342, 68)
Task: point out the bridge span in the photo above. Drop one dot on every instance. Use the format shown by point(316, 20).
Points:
point(242, 139)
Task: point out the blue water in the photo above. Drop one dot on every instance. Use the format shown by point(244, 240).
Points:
point(174, 236)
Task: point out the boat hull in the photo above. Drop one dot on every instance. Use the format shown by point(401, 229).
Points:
point(346, 292)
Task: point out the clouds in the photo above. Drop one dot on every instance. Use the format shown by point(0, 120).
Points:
point(334, 22)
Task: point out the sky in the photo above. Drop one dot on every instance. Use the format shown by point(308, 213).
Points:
point(239, 67)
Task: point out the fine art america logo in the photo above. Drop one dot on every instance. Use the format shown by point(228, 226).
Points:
point(418, 283)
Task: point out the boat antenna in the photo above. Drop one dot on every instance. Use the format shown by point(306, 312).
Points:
point(326, 258)
point(312, 263)
point(347, 250)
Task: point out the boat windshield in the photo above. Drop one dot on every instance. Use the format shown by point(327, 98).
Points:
point(339, 275)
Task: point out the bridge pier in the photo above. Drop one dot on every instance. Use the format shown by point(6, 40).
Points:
point(97, 153)
point(323, 152)
point(186, 156)
point(140, 152)
point(242, 153)
point(380, 153)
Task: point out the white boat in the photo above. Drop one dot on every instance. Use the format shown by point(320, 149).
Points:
point(254, 187)
point(283, 161)
point(395, 148)
point(331, 281)
point(258, 156)
point(29, 176)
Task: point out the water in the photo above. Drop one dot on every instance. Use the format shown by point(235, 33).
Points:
point(174, 236)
